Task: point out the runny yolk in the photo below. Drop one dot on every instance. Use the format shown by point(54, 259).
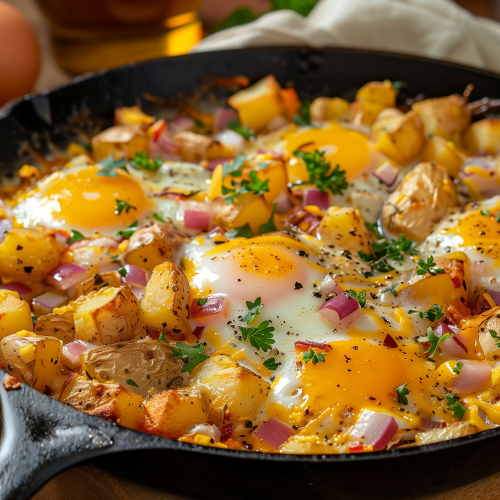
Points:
point(88, 200)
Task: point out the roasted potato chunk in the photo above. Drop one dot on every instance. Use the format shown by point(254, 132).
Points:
point(193, 147)
point(165, 305)
point(232, 388)
point(15, 314)
point(32, 359)
point(108, 316)
point(147, 362)
point(112, 278)
point(153, 245)
point(170, 413)
point(483, 137)
point(122, 140)
point(421, 200)
point(133, 115)
point(28, 254)
point(59, 324)
point(326, 108)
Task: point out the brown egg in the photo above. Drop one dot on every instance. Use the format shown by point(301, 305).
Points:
point(19, 54)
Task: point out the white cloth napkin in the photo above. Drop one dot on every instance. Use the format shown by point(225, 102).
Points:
point(434, 28)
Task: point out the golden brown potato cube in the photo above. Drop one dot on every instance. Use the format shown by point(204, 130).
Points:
point(15, 314)
point(147, 362)
point(232, 388)
point(483, 137)
point(172, 412)
point(112, 278)
point(133, 116)
point(193, 147)
point(153, 245)
point(165, 305)
point(60, 323)
point(120, 141)
point(108, 316)
point(32, 359)
point(28, 254)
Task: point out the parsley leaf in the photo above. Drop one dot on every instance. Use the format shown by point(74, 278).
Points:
point(113, 257)
point(391, 289)
point(201, 301)
point(162, 338)
point(315, 357)
point(457, 408)
point(374, 229)
point(245, 131)
point(458, 367)
point(431, 314)
point(402, 392)
point(321, 174)
point(269, 226)
point(191, 355)
point(129, 231)
point(426, 267)
point(122, 271)
point(305, 118)
point(270, 364)
point(360, 297)
point(240, 232)
point(123, 205)
point(254, 185)
point(34, 319)
point(157, 217)
point(109, 166)
point(486, 212)
point(76, 236)
point(233, 167)
point(102, 285)
point(260, 337)
point(434, 341)
point(498, 216)
point(397, 85)
point(254, 309)
point(132, 383)
point(141, 160)
point(495, 336)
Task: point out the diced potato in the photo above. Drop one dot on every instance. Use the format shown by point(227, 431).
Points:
point(32, 359)
point(149, 363)
point(193, 147)
point(133, 116)
point(153, 245)
point(15, 314)
point(258, 104)
point(122, 140)
point(232, 388)
point(172, 412)
point(344, 228)
point(28, 254)
point(165, 305)
point(108, 316)
point(445, 153)
point(445, 116)
point(423, 197)
point(60, 323)
point(326, 108)
point(89, 396)
point(483, 137)
point(400, 138)
point(382, 93)
point(112, 278)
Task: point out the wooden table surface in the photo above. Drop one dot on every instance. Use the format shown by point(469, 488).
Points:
point(89, 481)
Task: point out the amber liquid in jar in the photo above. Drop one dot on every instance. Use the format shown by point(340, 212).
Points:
point(88, 35)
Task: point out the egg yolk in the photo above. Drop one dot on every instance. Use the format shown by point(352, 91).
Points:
point(88, 200)
point(346, 148)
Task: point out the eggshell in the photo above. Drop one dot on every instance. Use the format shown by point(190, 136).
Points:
point(19, 54)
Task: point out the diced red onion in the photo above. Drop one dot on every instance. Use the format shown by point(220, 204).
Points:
point(432, 423)
point(167, 144)
point(206, 429)
point(495, 296)
point(197, 220)
point(71, 353)
point(22, 289)
point(67, 275)
point(390, 342)
point(180, 124)
point(308, 343)
point(283, 202)
point(215, 231)
point(377, 429)
point(139, 292)
point(218, 161)
point(273, 432)
point(276, 122)
point(341, 311)
point(5, 225)
point(65, 384)
point(473, 376)
point(453, 346)
point(231, 140)
point(226, 431)
point(330, 285)
point(135, 275)
point(317, 198)
point(223, 116)
point(276, 154)
point(48, 301)
point(386, 173)
point(212, 310)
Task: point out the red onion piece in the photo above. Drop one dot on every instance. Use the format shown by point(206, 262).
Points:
point(432, 423)
point(180, 124)
point(139, 292)
point(71, 353)
point(5, 225)
point(330, 285)
point(135, 275)
point(49, 301)
point(67, 275)
point(213, 309)
point(223, 116)
point(377, 429)
point(283, 202)
point(226, 431)
point(473, 376)
point(65, 384)
point(386, 173)
point(390, 342)
point(308, 343)
point(206, 429)
point(273, 432)
point(495, 296)
point(218, 161)
point(167, 144)
point(453, 346)
point(162, 148)
point(342, 311)
point(215, 231)
point(317, 198)
point(15, 286)
point(197, 220)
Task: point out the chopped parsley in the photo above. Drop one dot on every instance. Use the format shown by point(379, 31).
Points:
point(34, 319)
point(132, 383)
point(260, 337)
point(240, 232)
point(129, 231)
point(122, 271)
point(315, 357)
point(162, 338)
point(76, 236)
point(434, 341)
point(245, 131)
point(157, 217)
point(122, 205)
point(458, 367)
point(391, 289)
point(233, 168)
point(141, 160)
point(254, 309)
point(427, 267)
point(498, 216)
point(457, 408)
point(201, 301)
point(398, 85)
point(321, 174)
point(101, 285)
point(254, 185)
point(374, 229)
point(304, 119)
point(270, 364)
point(191, 355)
point(495, 336)
point(431, 314)
point(486, 212)
point(269, 226)
point(360, 297)
point(109, 166)
point(402, 392)
point(113, 257)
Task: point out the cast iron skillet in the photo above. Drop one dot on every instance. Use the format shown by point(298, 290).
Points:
point(41, 437)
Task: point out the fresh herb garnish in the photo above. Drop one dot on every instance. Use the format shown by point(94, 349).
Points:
point(260, 337)
point(391, 289)
point(269, 226)
point(162, 338)
point(113, 257)
point(315, 357)
point(101, 285)
point(132, 383)
point(157, 217)
point(321, 174)
point(495, 336)
point(498, 216)
point(270, 364)
point(198, 123)
point(254, 185)
point(402, 392)
point(244, 231)
point(431, 314)
point(245, 131)
point(191, 355)
point(434, 340)
point(201, 301)
point(123, 205)
point(76, 236)
point(34, 319)
point(129, 231)
point(374, 229)
point(254, 309)
point(458, 367)
point(457, 408)
point(397, 85)
point(233, 168)
point(122, 271)
point(426, 267)
point(141, 160)
point(305, 118)
point(360, 297)
point(109, 166)
point(486, 212)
